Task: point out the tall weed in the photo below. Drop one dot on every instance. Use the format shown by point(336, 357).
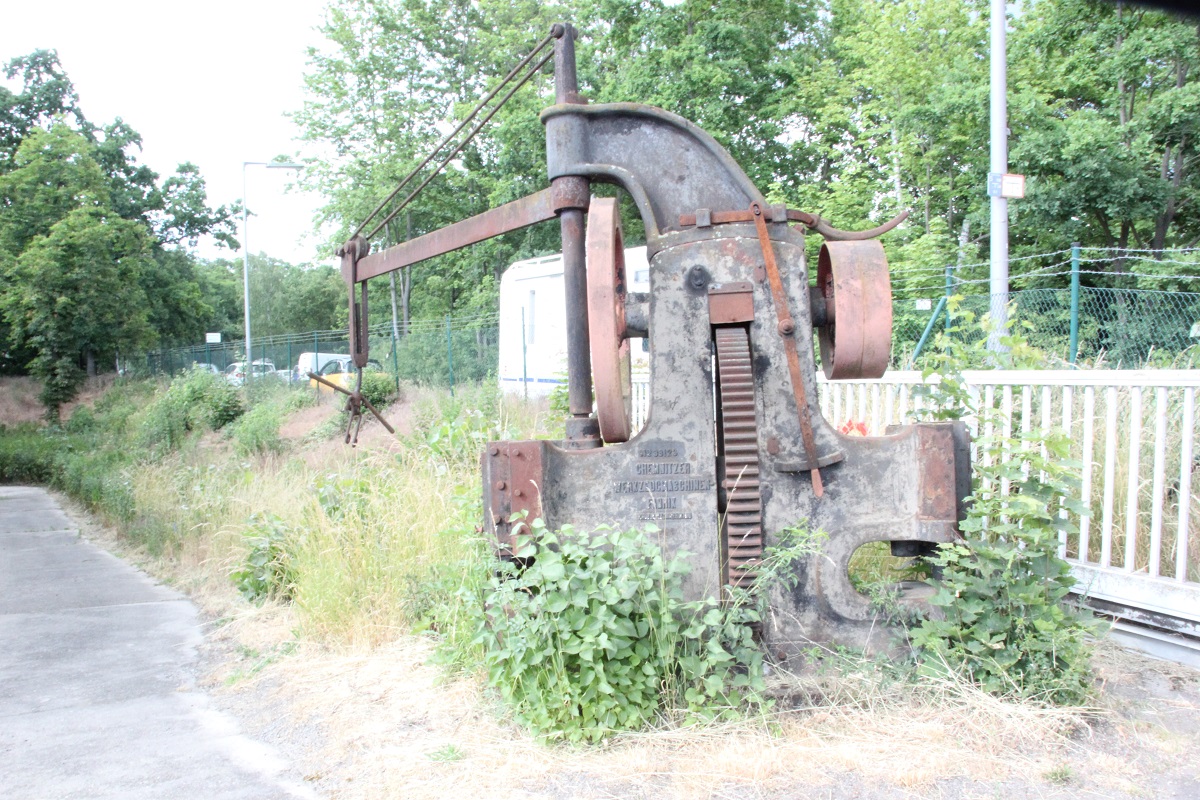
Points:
point(1005, 620)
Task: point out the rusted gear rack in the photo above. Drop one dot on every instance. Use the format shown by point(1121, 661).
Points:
point(738, 440)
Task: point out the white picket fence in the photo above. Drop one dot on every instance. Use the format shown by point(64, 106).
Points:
point(1133, 430)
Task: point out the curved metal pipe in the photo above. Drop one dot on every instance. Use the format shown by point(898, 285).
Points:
point(836, 235)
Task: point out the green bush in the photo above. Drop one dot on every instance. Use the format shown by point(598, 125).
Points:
point(98, 477)
point(591, 636)
point(379, 388)
point(194, 400)
point(27, 455)
point(1005, 620)
point(461, 439)
point(257, 431)
point(1003, 592)
point(266, 571)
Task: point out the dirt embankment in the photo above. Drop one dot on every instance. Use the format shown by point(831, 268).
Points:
point(19, 403)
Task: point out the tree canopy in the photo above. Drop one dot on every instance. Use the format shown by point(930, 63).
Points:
point(91, 241)
point(853, 109)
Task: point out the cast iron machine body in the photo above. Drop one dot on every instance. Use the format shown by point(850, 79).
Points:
point(734, 447)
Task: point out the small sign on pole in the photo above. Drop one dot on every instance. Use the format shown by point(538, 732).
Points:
point(1012, 186)
point(924, 304)
point(1006, 185)
point(212, 338)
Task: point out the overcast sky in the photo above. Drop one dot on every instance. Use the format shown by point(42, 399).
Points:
point(207, 82)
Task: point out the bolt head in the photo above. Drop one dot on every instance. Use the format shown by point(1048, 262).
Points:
point(501, 485)
point(786, 326)
point(495, 451)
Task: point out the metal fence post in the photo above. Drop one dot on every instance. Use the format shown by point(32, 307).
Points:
point(1073, 348)
point(928, 329)
point(949, 293)
point(395, 356)
point(450, 354)
point(524, 363)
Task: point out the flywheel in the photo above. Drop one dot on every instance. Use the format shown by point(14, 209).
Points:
point(741, 528)
point(606, 320)
point(857, 340)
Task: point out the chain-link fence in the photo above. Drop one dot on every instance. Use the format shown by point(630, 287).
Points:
point(1121, 328)
point(440, 352)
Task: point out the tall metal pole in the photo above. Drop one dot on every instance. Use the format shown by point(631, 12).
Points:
point(1074, 347)
point(999, 166)
point(246, 253)
point(246, 269)
point(949, 293)
point(582, 430)
point(524, 362)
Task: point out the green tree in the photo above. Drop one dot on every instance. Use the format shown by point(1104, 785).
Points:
point(67, 188)
point(77, 290)
point(1108, 124)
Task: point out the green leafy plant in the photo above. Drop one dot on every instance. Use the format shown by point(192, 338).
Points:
point(195, 400)
point(257, 431)
point(559, 399)
point(266, 571)
point(1005, 620)
point(587, 634)
point(27, 454)
point(379, 388)
point(460, 439)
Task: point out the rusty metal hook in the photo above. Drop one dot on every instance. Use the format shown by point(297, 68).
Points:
point(354, 404)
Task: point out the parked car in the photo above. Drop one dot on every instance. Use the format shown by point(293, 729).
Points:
point(235, 373)
point(314, 362)
point(341, 371)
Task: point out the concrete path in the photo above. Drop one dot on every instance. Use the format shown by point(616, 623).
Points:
point(98, 697)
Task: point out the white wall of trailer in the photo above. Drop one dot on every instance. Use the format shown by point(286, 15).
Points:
point(533, 322)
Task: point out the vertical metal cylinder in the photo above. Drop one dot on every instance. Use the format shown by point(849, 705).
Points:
point(999, 166)
point(566, 81)
point(579, 357)
point(574, 257)
point(1074, 346)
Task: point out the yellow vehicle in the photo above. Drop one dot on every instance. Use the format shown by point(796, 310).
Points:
point(341, 371)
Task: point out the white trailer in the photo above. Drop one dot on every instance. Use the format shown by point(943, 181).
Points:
point(533, 322)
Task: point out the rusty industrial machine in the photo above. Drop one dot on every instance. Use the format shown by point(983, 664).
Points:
point(734, 447)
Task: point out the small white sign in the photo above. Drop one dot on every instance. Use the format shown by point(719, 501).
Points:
point(1195, 333)
point(212, 338)
point(924, 304)
point(1009, 186)
point(1012, 186)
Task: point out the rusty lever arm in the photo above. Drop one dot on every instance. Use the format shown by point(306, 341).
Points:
point(530, 210)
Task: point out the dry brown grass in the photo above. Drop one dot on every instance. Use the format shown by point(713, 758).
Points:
point(19, 401)
point(392, 725)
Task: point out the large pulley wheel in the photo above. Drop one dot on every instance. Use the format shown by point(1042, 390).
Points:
point(606, 320)
point(857, 340)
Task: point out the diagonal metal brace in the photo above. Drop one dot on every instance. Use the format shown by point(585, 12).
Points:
point(354, 404)
point(787, 329)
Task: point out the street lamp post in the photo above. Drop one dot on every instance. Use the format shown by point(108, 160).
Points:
point(246, 252)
